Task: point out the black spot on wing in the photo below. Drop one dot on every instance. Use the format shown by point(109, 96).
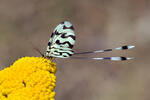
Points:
point(66, 42)
point(65, 56)
point(123, 58)
point(57, 33)
point(64, 36)
point(48, 51)
point(124, 47)
point(49, 43)
point(107, 58)
point(71, 27)
point(57, 42)
point(61, 53)
point(52, 34)
point(67, 53)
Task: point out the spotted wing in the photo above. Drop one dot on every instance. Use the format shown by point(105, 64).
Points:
point(61, 41)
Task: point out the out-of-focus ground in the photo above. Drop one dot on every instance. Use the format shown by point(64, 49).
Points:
point(99, 24)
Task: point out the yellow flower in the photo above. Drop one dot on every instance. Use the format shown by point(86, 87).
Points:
point(29, 78)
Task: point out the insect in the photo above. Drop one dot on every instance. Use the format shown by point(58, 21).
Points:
point(62, 41)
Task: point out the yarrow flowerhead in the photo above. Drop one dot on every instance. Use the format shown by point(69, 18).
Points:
point(29, 78)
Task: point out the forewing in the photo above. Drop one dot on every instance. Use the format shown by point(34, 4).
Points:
point(62, 41)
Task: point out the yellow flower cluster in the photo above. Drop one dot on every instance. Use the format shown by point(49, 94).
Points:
point(29, 78)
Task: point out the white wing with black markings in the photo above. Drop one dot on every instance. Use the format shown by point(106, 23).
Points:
point(61, 41)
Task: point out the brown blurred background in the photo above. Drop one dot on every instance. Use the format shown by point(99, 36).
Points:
point(99, 24)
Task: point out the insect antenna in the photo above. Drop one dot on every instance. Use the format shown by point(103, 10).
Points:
point(104, 58)
point(36, 49)
point(126, 47)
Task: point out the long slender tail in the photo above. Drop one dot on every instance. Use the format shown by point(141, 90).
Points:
point(105, 58)
point(107, 50)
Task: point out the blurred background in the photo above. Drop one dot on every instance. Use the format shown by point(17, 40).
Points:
point(99, 24)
